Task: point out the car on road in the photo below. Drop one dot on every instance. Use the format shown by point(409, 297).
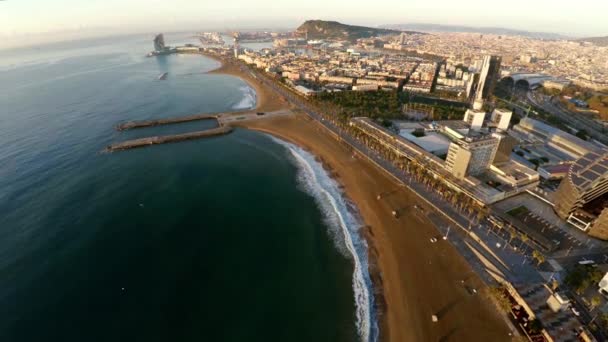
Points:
point(574, 311)
point(433, 240)
point(586, 262)
point(260, 113)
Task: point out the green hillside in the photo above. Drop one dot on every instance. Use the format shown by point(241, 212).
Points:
point(319, 29)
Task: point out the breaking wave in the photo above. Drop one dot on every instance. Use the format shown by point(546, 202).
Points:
point(249, 98)
point(343, 225)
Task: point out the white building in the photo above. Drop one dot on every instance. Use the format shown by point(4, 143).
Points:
point(603, 285)
point(502, 118)
point(471, 155)
point(474, 118)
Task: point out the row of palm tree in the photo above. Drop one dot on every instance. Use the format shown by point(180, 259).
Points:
point(415, 168)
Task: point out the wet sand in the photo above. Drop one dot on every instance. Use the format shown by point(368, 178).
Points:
point(414, 279)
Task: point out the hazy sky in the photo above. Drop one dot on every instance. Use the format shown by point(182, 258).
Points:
point(17, 17)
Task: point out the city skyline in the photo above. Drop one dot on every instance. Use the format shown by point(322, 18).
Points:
point(63, 16)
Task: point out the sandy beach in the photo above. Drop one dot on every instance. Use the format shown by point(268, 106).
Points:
point(413, 277)
point(267, 100)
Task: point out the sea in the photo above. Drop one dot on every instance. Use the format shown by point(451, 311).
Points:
point(242, 237)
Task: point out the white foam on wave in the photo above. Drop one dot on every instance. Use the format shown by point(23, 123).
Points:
point(249, 98)
point(344, 225)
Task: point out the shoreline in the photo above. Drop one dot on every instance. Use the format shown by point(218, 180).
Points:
point(412, 279)
point(343, 228)
point(266, 100)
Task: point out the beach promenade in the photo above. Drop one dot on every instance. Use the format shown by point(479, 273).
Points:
point(414, 278)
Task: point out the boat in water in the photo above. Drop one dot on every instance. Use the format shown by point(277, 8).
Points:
point(163, 76)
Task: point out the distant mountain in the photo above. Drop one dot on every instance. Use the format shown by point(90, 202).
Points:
point(320, 29)
point(599, 41)
point(469, 29)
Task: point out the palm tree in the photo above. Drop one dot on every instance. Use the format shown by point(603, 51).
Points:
point(539, 257)
point(595, 302)
point(554, 284)
point(512, 234)
point(524, 239)
point(481, 214)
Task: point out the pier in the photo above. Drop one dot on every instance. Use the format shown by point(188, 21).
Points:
point(224, 120)
point(156, 140)
point(168, 121)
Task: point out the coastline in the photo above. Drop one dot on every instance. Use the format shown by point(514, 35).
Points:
point(412, 279)
point(266, 100)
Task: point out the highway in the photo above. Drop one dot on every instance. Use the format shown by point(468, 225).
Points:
point(575, 120)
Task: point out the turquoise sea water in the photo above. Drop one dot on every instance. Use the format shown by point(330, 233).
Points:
point(234, 238)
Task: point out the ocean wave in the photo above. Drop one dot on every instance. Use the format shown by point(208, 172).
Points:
point(343, 224)
point(249, 98)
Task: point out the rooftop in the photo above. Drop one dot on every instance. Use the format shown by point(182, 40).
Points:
point(588, 169)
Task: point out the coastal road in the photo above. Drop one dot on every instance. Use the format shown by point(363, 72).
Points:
point(226, 119)
point(467, 227)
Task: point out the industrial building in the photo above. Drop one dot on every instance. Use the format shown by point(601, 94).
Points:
point(566, 143)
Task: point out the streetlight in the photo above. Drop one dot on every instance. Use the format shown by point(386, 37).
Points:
point(447, 233)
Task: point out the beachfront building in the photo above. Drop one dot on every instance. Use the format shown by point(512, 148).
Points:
point(471, 154)
point(582, 197)
point(468, 168)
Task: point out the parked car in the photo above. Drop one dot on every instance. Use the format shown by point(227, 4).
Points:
point(574, 311)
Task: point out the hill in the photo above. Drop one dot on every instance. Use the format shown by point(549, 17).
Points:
point(599, 41)
point(320, 29)
point(469, 29)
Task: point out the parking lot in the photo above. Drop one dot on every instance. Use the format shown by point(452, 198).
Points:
point(562, 239)
point(542, 218)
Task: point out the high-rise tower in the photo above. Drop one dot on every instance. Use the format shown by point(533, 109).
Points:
point(236, 44)
point(159, 42)
point(490, 74)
